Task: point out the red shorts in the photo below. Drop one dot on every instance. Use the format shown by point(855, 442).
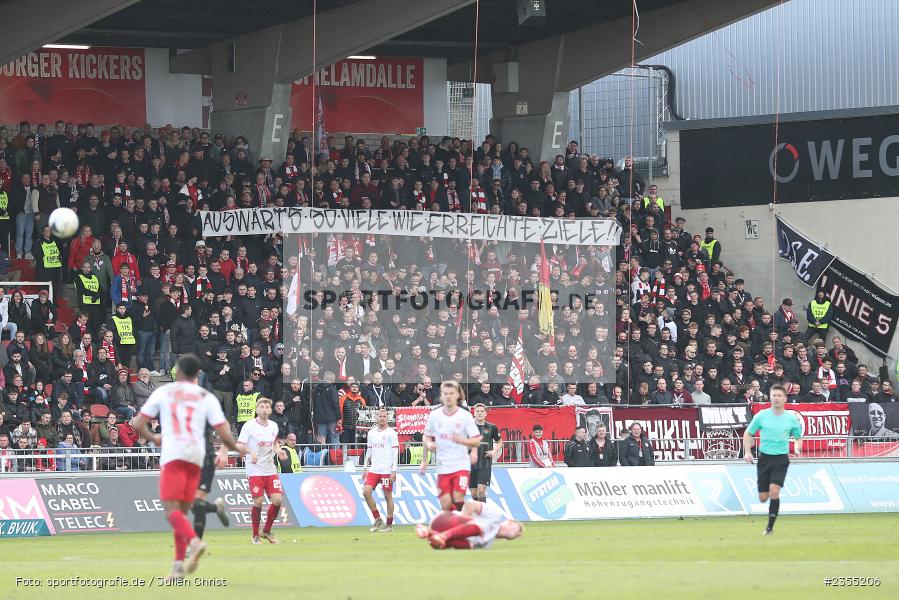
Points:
point(373, 479)
point(178, 481)
point(447, 520)
point(447, 483)
point(265, 484)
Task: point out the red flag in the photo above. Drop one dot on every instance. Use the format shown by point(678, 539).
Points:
point(320, 134)
point(516, 373)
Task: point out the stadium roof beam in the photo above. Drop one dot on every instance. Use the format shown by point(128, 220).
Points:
point(341, 32)
point(531, 81)
point(23, 31)
point(608, 44)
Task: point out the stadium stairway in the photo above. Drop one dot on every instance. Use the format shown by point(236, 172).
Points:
point(64, 295)
point(66, 305)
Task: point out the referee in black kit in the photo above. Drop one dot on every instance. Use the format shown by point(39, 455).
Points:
point(776, 426)
point(490, 449)
point(201, 505)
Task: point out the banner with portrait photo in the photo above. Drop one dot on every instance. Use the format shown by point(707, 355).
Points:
point(590, 417)
point(862, 308)
point(875, 420)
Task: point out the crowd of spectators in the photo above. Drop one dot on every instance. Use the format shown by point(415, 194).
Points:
point(149, 287)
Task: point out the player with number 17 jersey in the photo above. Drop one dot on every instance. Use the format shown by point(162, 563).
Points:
point(183, 409)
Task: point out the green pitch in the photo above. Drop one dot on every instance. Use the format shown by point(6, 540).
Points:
point(671, 558)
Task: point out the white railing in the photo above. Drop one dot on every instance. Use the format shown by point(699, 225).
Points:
point(8, 285)
point(716, 447)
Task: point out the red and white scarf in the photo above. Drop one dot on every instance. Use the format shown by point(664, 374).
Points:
point(418, 196)
point(452, 200)
point(202, 286)
point(129, 288)
point(121, 189)
point(110, 351)
point(478, 201)
point(658, 290)
point(83, 175)
point(264, 193)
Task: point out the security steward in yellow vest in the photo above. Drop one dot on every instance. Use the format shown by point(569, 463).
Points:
point(5, 221)
point(292, 464)
point(122, 326)
point(818, 313)
point(710, 248)
point(87, 290)
point(653, 197)
point(47, 258)
point(246, 403)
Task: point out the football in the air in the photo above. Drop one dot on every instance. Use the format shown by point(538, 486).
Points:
point(63, 223)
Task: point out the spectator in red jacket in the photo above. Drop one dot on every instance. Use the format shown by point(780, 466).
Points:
point(123, 257)
point(80, 248)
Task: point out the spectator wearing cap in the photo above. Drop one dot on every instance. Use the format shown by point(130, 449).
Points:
point(839, 346)
point(784, 316)
point(113, 447)
point(142, 387)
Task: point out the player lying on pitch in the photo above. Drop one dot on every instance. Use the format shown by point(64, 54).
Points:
point(475, 526)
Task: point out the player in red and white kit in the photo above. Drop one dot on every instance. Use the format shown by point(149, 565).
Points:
point(450, 432)
point(183, 409)
point(474, 527)
point(383, 456)
point(257, 438)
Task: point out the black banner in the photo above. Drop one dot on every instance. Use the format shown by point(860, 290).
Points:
point(723, 416)
point(721, 429)
point(861, 308)
point(832, 159)
point(809, 260)
point(879, 420)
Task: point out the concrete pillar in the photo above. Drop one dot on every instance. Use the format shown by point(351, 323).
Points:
point(247, 100)
point(527, 109)
point(543, 131)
